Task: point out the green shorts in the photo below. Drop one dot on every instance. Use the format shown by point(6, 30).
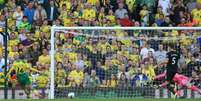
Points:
point(23, 79)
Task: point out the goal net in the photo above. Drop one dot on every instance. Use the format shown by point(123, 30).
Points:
point(120, 62)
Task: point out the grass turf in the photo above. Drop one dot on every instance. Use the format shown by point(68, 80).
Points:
point(134, 99)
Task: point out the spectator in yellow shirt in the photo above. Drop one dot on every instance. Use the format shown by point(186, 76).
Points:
point(89, 13)
point(196, 14)
point(111, 17)
point(112, 82)
point(148, 70)
point(44, 58)
point(76, 76)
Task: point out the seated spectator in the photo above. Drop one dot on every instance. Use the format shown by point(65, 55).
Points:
point(104, 84)
point(126, 21)
point(86, 80)
point(139, 80)
point(60, 75)
point(122, 71)
point(123, 82)
point(112, 82)
point(45, 57)
point(76, 77)
point(148, 70)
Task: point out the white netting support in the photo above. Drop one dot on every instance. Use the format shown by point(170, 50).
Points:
point(55, 29)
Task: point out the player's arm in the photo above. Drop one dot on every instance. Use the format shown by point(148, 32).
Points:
point(34, 70)
point(10, 70)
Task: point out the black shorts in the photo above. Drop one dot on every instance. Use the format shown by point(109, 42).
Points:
point(170, 75)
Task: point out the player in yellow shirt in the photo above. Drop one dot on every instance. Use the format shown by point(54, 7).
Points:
point(21, 70)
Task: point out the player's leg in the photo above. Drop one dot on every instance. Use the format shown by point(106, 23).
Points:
point(193, 87)
point(24, 81)
point(160, 76)
point(170, 82)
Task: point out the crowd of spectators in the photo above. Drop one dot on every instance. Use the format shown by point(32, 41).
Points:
point(83, 61)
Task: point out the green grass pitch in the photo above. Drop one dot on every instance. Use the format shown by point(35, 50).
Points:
point(134, 99)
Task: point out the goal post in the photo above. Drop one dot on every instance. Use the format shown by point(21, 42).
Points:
point(64, 29)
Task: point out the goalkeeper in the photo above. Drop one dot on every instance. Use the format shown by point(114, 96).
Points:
point(20, 73)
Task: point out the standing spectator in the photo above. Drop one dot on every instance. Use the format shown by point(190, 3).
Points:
point(29, 12)
point(167, 22)
point(191, 5)
point(196, 14)
point(160, 55)
point(18, 15)
point(2, 21)
point(94, 79)
point(89, 13)
point(144, 14)
point(111, 17)
point(40, 15)
point(176, 12)
point(52, 11)
point(145, 50)
point(139, 80)
point(160, 20)
point(165, 4)
point(120, 12)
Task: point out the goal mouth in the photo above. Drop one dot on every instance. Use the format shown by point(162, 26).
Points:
point(109, 61)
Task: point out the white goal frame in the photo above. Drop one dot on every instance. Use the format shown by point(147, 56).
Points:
point(55, 28)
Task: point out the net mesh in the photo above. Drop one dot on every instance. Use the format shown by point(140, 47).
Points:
point(121, 63)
